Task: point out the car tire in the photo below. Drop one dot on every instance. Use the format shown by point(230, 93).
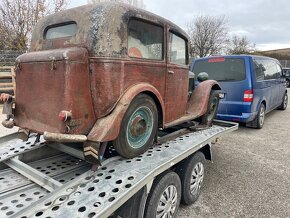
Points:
point(287, 83)
point(284, 103)
point(212, 108)
point(164, 197)
point(191, 173)
point(138, 127)
point(260, 118)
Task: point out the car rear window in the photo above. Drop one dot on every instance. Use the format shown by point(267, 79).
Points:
point(61, 31)
point(222, 69)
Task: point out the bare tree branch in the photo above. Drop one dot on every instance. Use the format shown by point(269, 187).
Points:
point(17, 18)
point(208, 35)
point(240, 45)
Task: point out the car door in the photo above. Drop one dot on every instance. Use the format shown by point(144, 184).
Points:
point(176, 93)
point(281, 84)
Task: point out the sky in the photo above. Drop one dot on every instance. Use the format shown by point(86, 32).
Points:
point(266, 23)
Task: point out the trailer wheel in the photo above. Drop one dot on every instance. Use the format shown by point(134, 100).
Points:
point(191, 173)
point(212, 107)
point(164, 197)
point(138, 127)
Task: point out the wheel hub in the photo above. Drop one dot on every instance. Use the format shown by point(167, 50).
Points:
point(168, 202)
point(138, 126)
point(196, 178)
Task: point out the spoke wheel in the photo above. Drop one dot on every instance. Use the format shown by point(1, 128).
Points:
point(196, 178)
point(191, 173)
point(167, 203)
point(164, 197)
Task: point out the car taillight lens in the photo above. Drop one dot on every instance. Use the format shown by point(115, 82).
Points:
point(64, 116)
point(248, 95)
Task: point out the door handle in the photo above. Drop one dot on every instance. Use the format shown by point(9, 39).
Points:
point(171, 72)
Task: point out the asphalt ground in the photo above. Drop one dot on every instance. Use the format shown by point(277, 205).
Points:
point(250, 173)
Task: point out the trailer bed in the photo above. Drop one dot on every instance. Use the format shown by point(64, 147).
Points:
point(87, 193)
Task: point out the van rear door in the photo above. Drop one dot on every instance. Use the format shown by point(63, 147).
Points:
point(233, 74)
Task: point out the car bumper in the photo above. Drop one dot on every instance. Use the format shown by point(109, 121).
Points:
point(244, 118)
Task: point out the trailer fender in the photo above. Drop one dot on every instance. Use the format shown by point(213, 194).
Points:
point(108, 127)
point(199, 99)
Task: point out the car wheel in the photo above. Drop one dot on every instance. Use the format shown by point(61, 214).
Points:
point(260, 117)
point(164, 197)
point(287, 83)
point(138, 127)
point(284, 103)
point(212, 107)
point(191, 173)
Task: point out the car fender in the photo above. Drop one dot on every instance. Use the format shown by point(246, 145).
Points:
point(198, 102)
point(107, 128)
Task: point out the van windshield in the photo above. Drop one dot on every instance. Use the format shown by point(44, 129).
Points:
point(222, 69)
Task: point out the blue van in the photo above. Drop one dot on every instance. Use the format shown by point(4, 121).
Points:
point(253, 86)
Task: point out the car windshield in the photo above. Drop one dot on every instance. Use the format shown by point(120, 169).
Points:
point(222, 69)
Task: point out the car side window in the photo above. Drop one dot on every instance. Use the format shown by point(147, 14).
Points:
point(266, 69)
point(145, 40)
point(259, 69)
point(177, 49)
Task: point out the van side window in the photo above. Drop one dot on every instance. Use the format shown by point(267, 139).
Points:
point(259, 69)
point(177, 49)
point(266, 69)
point(145, 40)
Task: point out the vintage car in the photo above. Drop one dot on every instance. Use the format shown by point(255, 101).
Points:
point(107, 72)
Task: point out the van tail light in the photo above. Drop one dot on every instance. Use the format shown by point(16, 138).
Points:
point(248, 95)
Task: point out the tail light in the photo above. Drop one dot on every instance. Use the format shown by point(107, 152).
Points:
point(248, 95)
point(64, 116)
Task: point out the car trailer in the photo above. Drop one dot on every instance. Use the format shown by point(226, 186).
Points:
point(38, 181)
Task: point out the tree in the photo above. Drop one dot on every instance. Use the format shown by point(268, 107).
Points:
point(18, 17)
point(240, 45)
point(208, 35)
point(136, 3)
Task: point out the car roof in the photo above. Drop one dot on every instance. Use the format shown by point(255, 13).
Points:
point(99, 24)
point(235, 56)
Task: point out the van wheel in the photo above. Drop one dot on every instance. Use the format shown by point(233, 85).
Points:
point(284, 103)
point(191, 173)
point(260, 118)
point(164, 196)
point(212, 107)
point(138, 127)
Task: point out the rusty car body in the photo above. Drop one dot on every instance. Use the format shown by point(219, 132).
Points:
point(88, 65)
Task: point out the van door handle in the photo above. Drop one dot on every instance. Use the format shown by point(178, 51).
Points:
point(171, 72)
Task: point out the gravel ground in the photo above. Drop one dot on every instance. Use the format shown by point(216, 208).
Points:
point(250, 174)
point(4, 131)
